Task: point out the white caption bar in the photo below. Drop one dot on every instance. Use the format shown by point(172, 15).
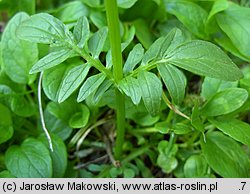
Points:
point(126, 186)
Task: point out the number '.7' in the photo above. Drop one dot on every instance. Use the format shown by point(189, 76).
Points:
point(243, 185)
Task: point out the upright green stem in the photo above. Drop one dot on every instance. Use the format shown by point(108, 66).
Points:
point(115, 42)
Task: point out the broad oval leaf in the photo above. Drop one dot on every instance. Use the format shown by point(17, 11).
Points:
point(225, 102)
point(64, 110)
point(51, 60)
point(143, 119)
point(227, 44)
point(143, 32)
point(218, 6)
point(6, 82)
point(22, 106)
point(69, 12)
point(6, 94)
point(151, 88)
point(189, 14)
point(6, 128)
point(18, 55)
point(166, 158)
point(236, 129)
point(196, 119)
point(32, 160)
point(225, 156)
point(28, 6)
point(234, 21)
point(125, 3)
point(204, 58)
point(211, 86)
point(56, 125)
point(174, 80)
point(93, 3)
point(129, 173)
point(44, 28)
point(6, 174)
point(98, 18)
point(162, 127)
point(131, 87)
point(195, 167)
point(58, 156)
point(80, 119)
point(90, 85)
point(72, 81)
point(182, 129)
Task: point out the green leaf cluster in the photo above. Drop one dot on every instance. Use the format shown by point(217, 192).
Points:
point(183, 88)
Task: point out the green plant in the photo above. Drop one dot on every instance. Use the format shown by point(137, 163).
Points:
point(107, 79)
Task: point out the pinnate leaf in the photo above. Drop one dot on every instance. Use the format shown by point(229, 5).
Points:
point(51, 60)
point(105, 85)
point(44, 28)
point(52, 80)
point(151, 88)
point(174, 80)
point(90, 85)
point(81, 31)
point(97, 41)
point(163, 45)
point(134, 57)
point(72, 81)
point(131, 87)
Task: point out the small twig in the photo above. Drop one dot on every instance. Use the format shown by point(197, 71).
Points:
point(78, 135)
point(41, 111)
point(171, 106)
point(204, 138)
point(80, 166)
point(101, 122)
point(80, 132)
point(84, 153)
point(109, 151)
